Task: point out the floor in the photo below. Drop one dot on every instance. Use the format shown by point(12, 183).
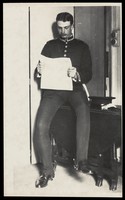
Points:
point(67, 183)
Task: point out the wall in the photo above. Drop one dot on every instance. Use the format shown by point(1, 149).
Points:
point(16, 91)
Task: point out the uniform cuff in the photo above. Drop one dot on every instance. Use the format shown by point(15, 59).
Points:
point(77, 77)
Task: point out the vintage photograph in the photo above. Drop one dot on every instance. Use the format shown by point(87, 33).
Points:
point(62, 68)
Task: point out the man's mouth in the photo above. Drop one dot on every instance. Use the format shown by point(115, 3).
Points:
point(63, 35)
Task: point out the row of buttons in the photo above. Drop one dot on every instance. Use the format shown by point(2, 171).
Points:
point(65, 50)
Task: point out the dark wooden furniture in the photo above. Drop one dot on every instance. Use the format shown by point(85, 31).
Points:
point(105, 137)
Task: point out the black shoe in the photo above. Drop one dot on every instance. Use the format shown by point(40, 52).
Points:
point(83, 166)
point(42, 181)
point(85, 169)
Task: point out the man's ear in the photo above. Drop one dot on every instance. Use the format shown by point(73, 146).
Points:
point(72, 26)
point(72, 29)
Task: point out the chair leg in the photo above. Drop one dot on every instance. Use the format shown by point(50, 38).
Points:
point(99, 172)
point(114, 169)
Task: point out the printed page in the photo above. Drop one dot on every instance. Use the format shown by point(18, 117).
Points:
point(54, 73)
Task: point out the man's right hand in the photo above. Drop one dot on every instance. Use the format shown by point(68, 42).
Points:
point(39, 68)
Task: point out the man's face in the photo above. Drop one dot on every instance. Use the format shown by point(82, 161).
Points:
point(64, 28)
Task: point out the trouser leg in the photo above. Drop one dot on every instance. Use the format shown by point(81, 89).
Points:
point(80, 104)
point(47, 109)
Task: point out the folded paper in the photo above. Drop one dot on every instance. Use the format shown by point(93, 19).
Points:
point(54, 73)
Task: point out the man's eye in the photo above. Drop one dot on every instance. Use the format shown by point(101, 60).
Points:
point(66, 27)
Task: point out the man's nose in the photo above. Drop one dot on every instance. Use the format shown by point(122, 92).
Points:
point(63, 30)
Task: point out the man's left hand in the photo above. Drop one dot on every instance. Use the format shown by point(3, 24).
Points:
point(72, 72)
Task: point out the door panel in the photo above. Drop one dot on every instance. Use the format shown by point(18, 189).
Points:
point(89, 27)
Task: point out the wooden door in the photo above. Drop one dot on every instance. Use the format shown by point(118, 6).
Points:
point(89, 27)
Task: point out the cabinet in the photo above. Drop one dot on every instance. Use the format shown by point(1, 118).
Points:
point(105, 137)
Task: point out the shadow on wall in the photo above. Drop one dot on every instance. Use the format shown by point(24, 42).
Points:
point(54, 30)
point(55, 35)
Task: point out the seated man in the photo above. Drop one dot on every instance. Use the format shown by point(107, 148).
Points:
point(81, 73)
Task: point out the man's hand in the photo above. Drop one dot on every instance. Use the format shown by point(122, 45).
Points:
point(72, 72)
point(39, 68)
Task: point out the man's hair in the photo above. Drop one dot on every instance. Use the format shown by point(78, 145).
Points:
point(65, 16)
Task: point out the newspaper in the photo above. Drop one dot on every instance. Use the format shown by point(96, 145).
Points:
point(54, 73)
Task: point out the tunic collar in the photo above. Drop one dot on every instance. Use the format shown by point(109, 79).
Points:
point(66, 39)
